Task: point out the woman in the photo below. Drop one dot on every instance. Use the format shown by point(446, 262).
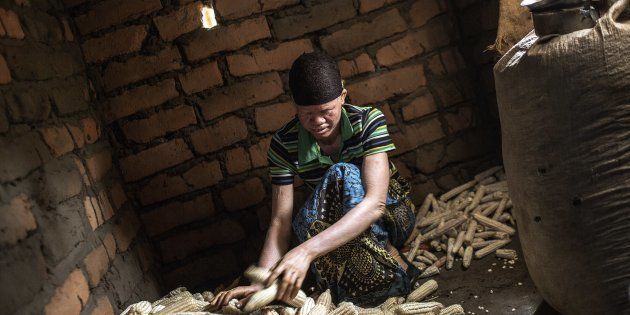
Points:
point(359, 210)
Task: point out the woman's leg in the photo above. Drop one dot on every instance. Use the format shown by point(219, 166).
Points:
point(361, 270)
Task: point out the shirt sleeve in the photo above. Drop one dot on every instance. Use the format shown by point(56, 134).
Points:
point(375, 136)
point(281, 171)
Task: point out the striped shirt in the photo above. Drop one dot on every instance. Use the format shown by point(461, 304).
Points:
point(294, 151)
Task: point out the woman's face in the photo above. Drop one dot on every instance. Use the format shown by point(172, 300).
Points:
point(322, 120)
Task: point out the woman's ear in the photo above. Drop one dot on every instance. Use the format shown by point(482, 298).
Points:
point(344, 92)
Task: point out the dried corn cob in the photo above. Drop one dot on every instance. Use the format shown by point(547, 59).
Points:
point(345, 308)
point(429, 255)
point(419, 265)
point(424, 260)
point(318, 309)
point(494, 224)
point(498, 186)
point(497, 195)
point(187, 304)
point(370, 311)
point(440, 262)
point(140, 308)
point(490, 248)
point(470, 232)
point(500, 209)
point(261, 298)
point(306, 308)
point(435, 218)
point(454, 309)
point(430, 271)
point(450, 258)
point(481, 244)
point(487, 173)
point(459, 241)
point(475, 202)
point(468, 253)
point(287, 311)
point(485, 235)
point(457, 190)
point(232, 308)
point(418, 308)
point(390, 303)
point(506, 253)
point(490, 208)
point(422, 291)
point(325, 299)
point(441, 230)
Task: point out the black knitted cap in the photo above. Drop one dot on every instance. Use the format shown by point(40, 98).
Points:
point(314, 79)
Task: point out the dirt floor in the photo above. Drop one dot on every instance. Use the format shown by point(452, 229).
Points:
point(492, 286)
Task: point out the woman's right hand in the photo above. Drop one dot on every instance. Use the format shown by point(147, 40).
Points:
point(242, 293)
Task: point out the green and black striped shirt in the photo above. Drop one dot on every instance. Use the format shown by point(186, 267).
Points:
point(294, 151)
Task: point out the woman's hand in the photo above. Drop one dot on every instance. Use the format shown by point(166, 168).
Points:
point(291, 271)
point(243, 293)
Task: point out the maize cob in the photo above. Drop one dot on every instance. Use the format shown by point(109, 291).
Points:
point(490, 208)
point(500, 209)
point(287, 311)
point(491, 248)
point(434, 204)
point(459, 241)
point(435, 244)
point(370, 311)
point(187, 304)
point(435, 218)
point(345, 308)
point(198, 297)
point(506, 253)
point(468, 253)
point(419, 265)
point(261, 298)
point(485, 235)
point(441, 230)
point(207, 296)
point(232, 308)
point(423, 291)
point(260, 275)
point(477, 240)
point(325, 299)
point(454, 309)
point(257, 274)
point(140, 308)
point(424, 260)
point(306, 308)
point(457, 190)
point(429, 255)
point(449, 253)
point(440, 262)
point(470, 232)
point(487, 173)
point(501, 235)
point(486, 181)
point(269, 311)
point(475, 202)
point(481, 244)
point(460, 252)
point(498, 186)
point(414, 248)
point(430, 271)
point(494, 224)
point(318, 309)
point(495, 196)
point(419, 217)
point(418, 308)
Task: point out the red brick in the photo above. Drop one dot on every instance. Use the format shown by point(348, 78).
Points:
point(162, 187)
point(435, 65)
point(16, 220)
point(154, 159)
point(103, 306)
point(77, 134)
point(90, 129)
point(387, 84)
point(239, 95)
point(272, 117)
point(258, 152)
point(317, 17)
point(363, 33)
point(203, 175)
point(99, 164)
point(452, 60)
point(5, 73)
point(229, 9)
point(177, 214)
point(70, 297)
point(140, 98)
point(201, 78)
point(184, 20)
point(420, 106)
point(447, 91)
point(111, 12)
point(119, 42)
point(58, 140)
point(163, 122)
point(137, 68)
point(117, 195)
point(86, 179)
point(417, 134)
point(263, 60)
point(400, 50)
point(237, 161)
point(419, 191)
point(230, 37)
point(428, 157)
point(186, 243)
point(433, 35)
point(110, 245)
point(366, 6)
point(90, 205)
point(11, 23)
point(126, 231)
point(67, 31)
point(461, 119)
point(219, 135)
point(243, 195)
point(223, 264)
point(352, 67)
point(96, 265)
point(422, 11)
point(105, 205)
point(389, 116)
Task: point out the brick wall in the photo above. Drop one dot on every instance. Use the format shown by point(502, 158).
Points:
point(186, 113)
point(67, 228)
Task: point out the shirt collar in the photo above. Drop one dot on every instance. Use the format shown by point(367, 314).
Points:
point(308, 149)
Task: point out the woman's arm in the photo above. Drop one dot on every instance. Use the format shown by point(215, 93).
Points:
point(279, 232)
point(295, 264)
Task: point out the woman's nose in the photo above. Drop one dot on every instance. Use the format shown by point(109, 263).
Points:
point(318, 120)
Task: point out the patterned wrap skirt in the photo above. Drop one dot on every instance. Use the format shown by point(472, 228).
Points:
point(361, 271)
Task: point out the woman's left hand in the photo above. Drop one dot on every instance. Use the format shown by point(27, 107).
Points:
point(291, 271)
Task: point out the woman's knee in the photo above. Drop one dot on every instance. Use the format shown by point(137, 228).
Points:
point(342, 169)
